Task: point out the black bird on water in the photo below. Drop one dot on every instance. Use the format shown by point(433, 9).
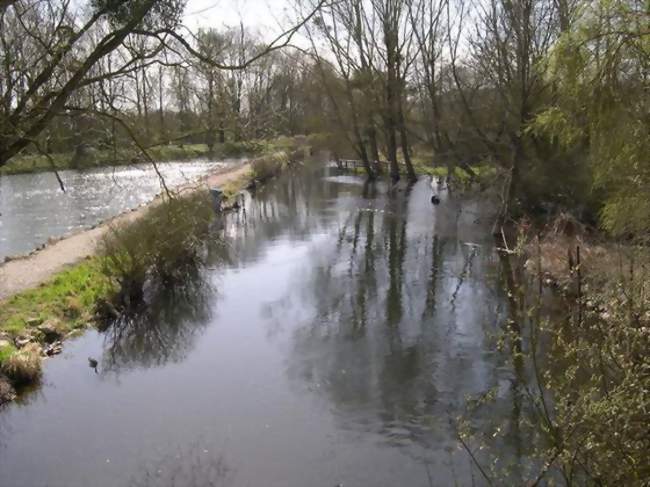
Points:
point(93, 363)
point(435, 200)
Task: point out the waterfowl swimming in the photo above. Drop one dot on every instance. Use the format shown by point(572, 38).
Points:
point(93, 363)
point(435, 200)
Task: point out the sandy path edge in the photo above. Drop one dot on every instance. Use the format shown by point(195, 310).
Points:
point(31, 271)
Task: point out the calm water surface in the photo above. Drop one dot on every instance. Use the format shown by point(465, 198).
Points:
point(33, 207)
point(334, 342)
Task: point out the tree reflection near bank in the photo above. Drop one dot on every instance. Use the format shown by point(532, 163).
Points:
point(163, 331)
point(195, 466)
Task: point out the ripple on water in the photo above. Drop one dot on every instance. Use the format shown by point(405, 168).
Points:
point(33, 207)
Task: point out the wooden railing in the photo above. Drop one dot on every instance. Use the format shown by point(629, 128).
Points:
point(355, 163)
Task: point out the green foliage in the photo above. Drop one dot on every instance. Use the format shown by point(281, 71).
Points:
point(161, 246)
point(69, 297)
point(239, 149)
point(157, 13)
point(30, 163)
point(582, 377)
point(319, 141)
point(602, 409)
point(6, 352)
point(173, 152)
point(599, 70)
point(269, 166)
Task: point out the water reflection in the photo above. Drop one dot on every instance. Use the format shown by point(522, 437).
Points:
point(173, 315)
point(195, 466)
point(352, 322)
point(164, 330)
point(392, 342)
point(405, 307)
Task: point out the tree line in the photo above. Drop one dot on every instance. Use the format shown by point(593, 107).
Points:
point(553, 94)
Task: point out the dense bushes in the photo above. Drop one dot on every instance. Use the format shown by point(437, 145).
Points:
point(269, 166)
point(22, 366)
point(161, 246)
point(239, 149)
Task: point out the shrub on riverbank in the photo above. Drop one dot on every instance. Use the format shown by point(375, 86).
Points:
point(23, 366)
point(601, 409)
point(160, 246)
point(587, 391)
point(266, 167)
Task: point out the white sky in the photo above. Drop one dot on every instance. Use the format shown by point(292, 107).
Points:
point(263, 15)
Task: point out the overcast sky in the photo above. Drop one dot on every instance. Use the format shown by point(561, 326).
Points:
point(265, 15)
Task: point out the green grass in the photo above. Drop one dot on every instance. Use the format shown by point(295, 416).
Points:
point(482, 172)
point(32, 163)
point(68, 301)
point(69, 298)
point(178, 153)
point(35, 163)
point(6, 352)
point(232, 187)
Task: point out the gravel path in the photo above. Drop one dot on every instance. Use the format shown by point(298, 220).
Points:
point(30, 271)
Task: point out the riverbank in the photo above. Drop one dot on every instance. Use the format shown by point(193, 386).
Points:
point(315, 315)
point(53, 292)
point(594, 391)
point(27, 272)
point(35, 163)
point(57, 291)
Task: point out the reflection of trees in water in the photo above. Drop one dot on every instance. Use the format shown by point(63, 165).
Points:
point(399, 339)
point(196, 466)
point(164, 330)
point(295, 206)
point(6, 429)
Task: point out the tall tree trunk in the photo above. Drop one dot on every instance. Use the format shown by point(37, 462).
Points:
point(161, 110)
point(211, 122)
point(410, 171)
point(374, 147)
point(392, 92)
point(145, 104)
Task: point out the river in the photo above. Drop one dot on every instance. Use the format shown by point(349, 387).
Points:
point(333, 341)
point(33, 207)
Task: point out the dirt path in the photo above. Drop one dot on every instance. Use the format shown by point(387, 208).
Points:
point(28, 272)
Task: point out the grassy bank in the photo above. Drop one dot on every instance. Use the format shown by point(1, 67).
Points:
point(482, 173)
point(32, 322)
point(33, 163)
